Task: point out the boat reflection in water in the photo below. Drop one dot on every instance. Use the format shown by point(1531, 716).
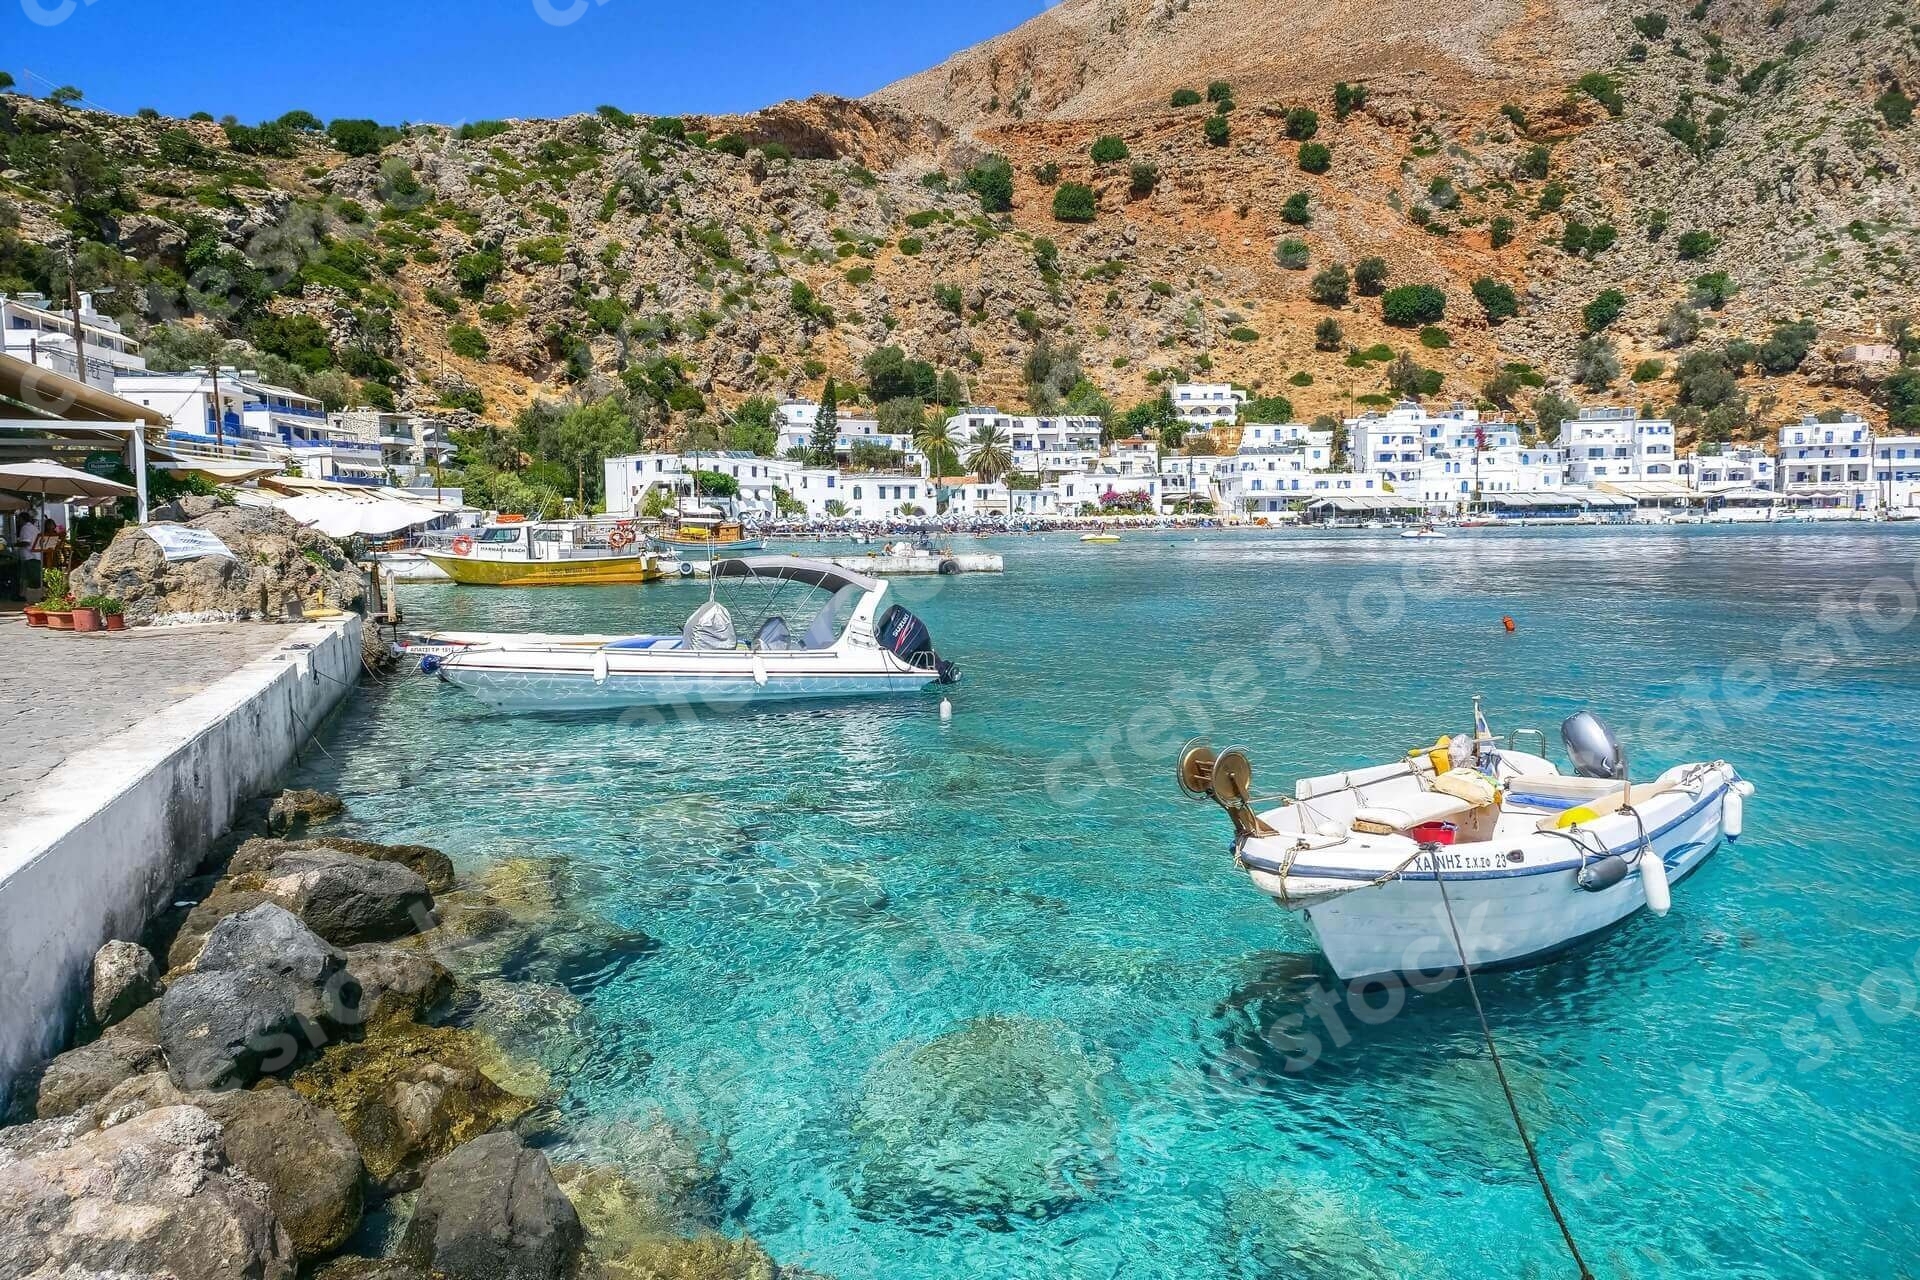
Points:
point(814, 630)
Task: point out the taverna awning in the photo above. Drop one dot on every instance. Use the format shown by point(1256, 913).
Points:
point(1360, 503)
point(42, 412)
point(1650, 490)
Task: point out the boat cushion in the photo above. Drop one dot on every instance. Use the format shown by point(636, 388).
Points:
point(644, 642)
point(1413, 811)
point(1471, 785)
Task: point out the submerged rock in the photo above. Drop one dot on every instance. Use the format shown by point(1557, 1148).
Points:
point(707, 1256)
point(397, 984)
point(1003, 1117)
point(151, 1197)
point(295, 810)
point(124, 978)
point(408, 1095)
point(490, 1210)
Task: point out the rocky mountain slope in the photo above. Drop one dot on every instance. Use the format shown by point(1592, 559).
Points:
point(1727, 180)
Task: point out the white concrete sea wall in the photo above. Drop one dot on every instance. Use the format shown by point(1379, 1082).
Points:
point(95, 853)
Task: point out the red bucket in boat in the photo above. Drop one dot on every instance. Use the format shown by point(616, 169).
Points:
point(1432, 833)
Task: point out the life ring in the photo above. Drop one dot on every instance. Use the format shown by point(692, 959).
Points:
point(620, 539)
point(686, 568)
point(463, 545)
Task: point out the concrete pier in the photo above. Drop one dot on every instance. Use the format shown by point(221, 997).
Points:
point(93, 848)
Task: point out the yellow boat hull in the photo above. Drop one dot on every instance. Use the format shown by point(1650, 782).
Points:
point(604, 571)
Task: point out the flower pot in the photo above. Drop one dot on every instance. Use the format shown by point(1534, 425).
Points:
point(116, 621)
point(86, 619)
point(36, 616)
point(59, 621)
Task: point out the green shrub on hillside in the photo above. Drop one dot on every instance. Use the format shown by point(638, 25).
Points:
point(1186, 98)
point(1109, 149)
point(1074, 202)
point(1314, 157)
point(1413, 304)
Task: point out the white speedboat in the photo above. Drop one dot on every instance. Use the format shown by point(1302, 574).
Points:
point(1531, 860)
point(1422, 531)
point(817, 631)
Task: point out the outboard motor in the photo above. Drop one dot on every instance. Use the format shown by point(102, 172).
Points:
point(1595, 752)
point(907, 638)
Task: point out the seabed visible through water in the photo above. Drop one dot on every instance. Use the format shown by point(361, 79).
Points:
point(989, 998)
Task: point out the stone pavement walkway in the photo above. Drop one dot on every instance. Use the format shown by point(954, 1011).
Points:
point(61, 693)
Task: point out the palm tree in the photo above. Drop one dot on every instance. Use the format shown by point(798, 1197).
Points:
point(936, 442)
point(990, 458)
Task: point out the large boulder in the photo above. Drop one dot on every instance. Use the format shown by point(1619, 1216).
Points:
point(408, 1095)
point(264, 992)
point(300, 1153)
point(152, 1197)
point(257, 856)
point(1001, 1117)
point(397, 984)
point(78, 1078)
point(279, 570)
point(226, 900)
point(296, 809)
point(124, 978)
point(347, 899)
point(490, 1210)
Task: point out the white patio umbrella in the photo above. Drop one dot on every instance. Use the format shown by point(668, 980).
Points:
point(10, 504)
point(51, 480)
point(341, 517)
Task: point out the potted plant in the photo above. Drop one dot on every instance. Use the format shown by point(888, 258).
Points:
point(59, 612)
point(112, 612)
point(90, 612)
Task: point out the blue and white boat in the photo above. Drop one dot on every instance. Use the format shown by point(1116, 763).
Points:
point(816, 630)
point(1531, 860)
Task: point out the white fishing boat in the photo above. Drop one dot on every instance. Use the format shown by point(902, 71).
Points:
point(1385, 863)
point(816, 630)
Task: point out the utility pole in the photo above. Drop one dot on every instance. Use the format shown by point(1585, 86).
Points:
point(219, 419)
point(73, 310)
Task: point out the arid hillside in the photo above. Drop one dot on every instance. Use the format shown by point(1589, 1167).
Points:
point(1700, 208)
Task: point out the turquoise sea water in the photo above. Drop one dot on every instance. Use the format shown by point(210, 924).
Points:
point(988, 997)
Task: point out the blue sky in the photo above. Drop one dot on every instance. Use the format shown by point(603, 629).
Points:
point(447, 61)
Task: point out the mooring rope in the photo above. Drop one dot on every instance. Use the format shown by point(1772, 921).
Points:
point(1500, 1070)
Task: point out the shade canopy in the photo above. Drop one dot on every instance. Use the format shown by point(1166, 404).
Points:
point(344, 517)
point(51, 480)
point(815, 573)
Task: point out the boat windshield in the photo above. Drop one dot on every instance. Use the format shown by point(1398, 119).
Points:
point(498, 536)
point(789, 603)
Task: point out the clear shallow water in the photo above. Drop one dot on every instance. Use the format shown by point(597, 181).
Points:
point(940, 1004)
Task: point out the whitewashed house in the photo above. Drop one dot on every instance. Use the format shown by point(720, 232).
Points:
point(1608, 445)
point(237, 414)
point(34, 330)
point(1207, 404)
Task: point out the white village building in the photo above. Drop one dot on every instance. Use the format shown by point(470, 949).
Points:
point(36, 331)
point(1207, 404)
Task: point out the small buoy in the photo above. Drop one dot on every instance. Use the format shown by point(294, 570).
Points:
point(1653, 877)
point(1509, 624)
point(946, 709)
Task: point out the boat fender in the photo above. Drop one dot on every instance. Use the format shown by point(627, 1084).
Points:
point(686, 568)
point(1732, 813)
point(759, 670)
point(429, 664)
point(949, 566)
point(1653, 877)
point(1603, 873)
point(600, 667)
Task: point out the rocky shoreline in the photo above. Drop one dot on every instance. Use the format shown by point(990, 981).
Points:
point(341, 1069)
